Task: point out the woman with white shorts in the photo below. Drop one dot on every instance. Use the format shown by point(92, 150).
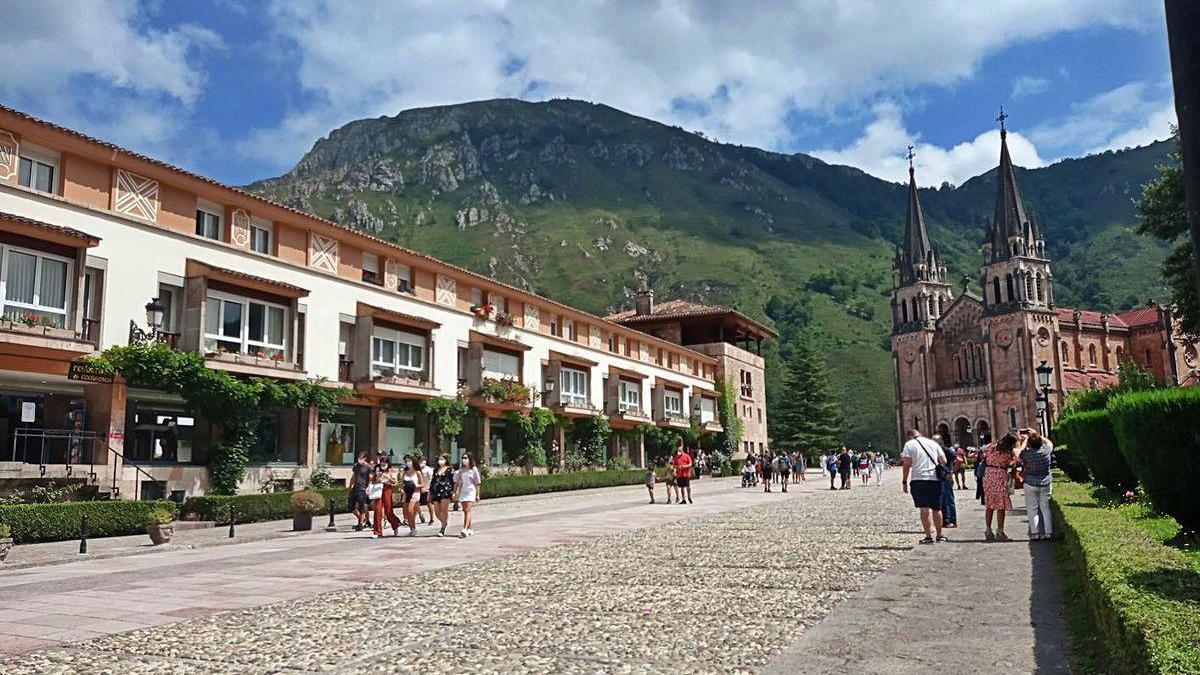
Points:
point(467, 491)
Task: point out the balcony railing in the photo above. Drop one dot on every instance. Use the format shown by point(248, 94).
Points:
point(344, 366)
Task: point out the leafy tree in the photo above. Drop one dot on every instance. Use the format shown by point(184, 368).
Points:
point(531, 427)
point(1162, 211)
point(586, 442)
point(807, 416)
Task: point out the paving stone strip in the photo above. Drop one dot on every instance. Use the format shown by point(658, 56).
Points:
point(716, 594)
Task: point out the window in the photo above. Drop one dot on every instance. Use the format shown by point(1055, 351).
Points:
point(501, 365)
point(370, 269)
point(569, 329)
point(708, 410)
point(208, 224)
point(1008, 280)
point(554, 327)
point(1092, 355)
point(171, 299)
point(904, 311)
point(747, 381)
point(1012, 418)
point(403, 278)
point(500, 303)
point(37, 173)
point(260, 236)
point(658, 355)
point(477, 297)
point(35, 287)
point(612, 343)
point(244, 326)
point(630, 394)
point(996, 291)
point(1149, 360)
point(673, 403)
point(396, 351)
point(1066, 355)
point(574, 387)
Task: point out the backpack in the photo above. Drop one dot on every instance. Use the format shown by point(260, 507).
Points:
point(785, 464)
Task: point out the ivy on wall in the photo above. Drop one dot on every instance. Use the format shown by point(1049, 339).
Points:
point(588, 438)
point(531, 427)
point(731, 436)
point(234, 406)
point(447, 415)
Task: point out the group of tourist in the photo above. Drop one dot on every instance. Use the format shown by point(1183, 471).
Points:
point(848, 464)
point(780, 468)
point(426, 493)
point(1021, 460)
point(676, 473)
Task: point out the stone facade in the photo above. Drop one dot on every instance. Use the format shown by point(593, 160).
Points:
point(965, 367)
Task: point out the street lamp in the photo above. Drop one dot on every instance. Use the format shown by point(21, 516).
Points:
point(154, 315)
point(1044, 371)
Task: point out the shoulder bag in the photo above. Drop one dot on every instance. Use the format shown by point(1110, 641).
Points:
point(942, 471)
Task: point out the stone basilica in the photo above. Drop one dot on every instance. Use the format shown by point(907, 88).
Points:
point(964, 366)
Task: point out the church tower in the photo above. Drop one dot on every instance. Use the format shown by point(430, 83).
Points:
point(919, 298)
point(1020, 328)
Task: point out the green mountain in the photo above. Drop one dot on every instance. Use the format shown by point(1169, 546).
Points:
point(585, 204)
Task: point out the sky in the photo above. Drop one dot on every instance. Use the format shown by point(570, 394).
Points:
point(240, 91)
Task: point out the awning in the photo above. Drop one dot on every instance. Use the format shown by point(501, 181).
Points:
point(195, 268)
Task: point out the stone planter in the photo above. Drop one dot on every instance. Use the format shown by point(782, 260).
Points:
point(302, 522)
point(160, 534)
point(5, 547)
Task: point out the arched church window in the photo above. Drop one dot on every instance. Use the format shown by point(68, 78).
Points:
point(1008, 281)
point(1028, 286)
point(915, 315)
point(1066, 355)
point(1041, 292)
point(1149, 361)
point(979, 359)
point(958, 366)
point(1120, 355)
point(941, 305)
point(996, 291)
point(932, 308)
point(1092, 355)
point(903, 311)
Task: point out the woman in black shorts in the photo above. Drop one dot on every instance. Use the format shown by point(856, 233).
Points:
point(765, 460)
point(441, 489)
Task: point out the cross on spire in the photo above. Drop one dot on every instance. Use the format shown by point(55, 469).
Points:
point(909, 157)
point(1003, 116)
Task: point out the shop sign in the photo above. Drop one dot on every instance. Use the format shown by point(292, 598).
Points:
point(28, 411)
point(86, 372)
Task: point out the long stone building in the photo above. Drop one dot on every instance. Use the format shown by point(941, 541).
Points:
point(965, 366)
point(91, 233)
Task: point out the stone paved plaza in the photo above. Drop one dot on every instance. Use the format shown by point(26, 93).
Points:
point(716, 588)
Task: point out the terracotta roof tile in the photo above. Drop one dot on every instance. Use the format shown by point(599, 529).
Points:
point(59, 229)
point(1140, 317)
point(681, 309)
point(1089, 317)
point(1078, 379)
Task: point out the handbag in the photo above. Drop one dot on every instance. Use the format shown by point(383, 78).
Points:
point(943, 473)
point(375, 491)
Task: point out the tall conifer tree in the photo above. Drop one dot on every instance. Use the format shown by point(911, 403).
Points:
point(807, 417)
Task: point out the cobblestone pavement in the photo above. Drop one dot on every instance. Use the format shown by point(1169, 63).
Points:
point(722, 592)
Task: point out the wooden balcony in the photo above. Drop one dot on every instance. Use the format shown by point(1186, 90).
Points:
point(629, 418)
point(260, 366)
point(397, 385)
point(30, 335)
point(569, 409)
point(673, 421)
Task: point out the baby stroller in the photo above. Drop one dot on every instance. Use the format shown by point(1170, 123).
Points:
point(749, 478)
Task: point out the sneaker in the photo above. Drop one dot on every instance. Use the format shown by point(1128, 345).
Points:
point(988, 536)
point(926, 540)
point(358, 528)
point(462, 535)
point(689, 501)
point(1002, 537)
point(442, 532)
point(471, 532)
point(412, 532)
point(395, 531)
point(942, 538)
point(374, 536)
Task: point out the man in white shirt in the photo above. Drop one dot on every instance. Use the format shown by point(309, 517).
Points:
point(920, 459)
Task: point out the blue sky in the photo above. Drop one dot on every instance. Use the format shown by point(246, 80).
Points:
point(240, 91)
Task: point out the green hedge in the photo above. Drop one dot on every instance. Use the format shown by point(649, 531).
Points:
point(255, 507)
point(519, 484)
point(1158, 432)
point(1091, 434)
point(1143, 596)
point(1071, 464)
point(33, 523)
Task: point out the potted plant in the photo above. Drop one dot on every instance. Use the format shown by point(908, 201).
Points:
point(5, 540)
point(161, 525)
point(306, 504)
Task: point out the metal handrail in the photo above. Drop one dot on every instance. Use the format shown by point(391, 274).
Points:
point(70, 458)
point(137, 470)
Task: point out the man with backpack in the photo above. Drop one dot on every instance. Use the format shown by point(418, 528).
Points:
point(785, 469)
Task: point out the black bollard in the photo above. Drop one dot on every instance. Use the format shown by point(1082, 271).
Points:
point(232, 519)
point(83, 534)
point(331, 527)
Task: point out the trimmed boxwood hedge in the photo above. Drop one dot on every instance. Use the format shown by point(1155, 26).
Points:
point(1144, 597)
point(1071, 464)
point(518, 484)
point(1158, 432)
point(32, 523)
point(255, 508)
point(1091, 434)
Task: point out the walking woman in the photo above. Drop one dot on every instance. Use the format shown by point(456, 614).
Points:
point(441, 489)
point(426, 477)
point(999, 459)
point(467, 491)
point(385, 474)
point(1035, 459)
point(864, 466)
point(414, 483)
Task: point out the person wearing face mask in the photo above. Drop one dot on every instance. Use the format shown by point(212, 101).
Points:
point(441, 488)
point(467, 491)
point(426, 476)
point(384, 508)
point(414, 482)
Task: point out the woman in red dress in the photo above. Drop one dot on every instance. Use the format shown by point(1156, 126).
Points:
point(999, 457)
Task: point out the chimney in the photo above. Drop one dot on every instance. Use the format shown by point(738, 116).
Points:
point(643, 302)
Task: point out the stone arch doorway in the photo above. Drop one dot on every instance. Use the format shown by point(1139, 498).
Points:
point(943, 430)
point(983, 432)
point(962, 432)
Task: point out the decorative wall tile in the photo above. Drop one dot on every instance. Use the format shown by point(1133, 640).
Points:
point(593, 337)
point(533, 320)
point(447, 290)
point(136, 196)
point(391, 273)
point(239, 228)
point(323, 252)
point(9, 155)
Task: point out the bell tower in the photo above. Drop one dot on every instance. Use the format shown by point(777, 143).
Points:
point(920, 296)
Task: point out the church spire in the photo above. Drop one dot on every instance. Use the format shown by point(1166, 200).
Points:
point(1012, 233)
point(916, 259)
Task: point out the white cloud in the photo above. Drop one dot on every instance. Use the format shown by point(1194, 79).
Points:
point(734, 74)
point(880, 152)
point(1133, 114)
point(1028, 85)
